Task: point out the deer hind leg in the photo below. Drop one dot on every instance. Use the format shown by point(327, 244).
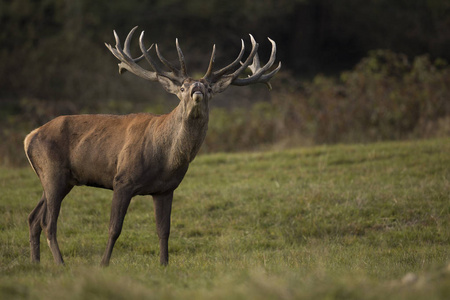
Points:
point(53, 207)
point(54, 193)
point(35, 224)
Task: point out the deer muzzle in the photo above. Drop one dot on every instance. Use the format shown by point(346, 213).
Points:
point(197, 92)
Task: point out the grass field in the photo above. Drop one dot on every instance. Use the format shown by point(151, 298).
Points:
point(328, 222)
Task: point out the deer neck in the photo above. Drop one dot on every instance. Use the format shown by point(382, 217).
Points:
point(188, 133)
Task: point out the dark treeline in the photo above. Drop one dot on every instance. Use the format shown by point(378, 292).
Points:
point(53, 49)
point(353, 71)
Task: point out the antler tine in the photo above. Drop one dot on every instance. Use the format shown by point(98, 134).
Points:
point(113, 51)
point(266, 77)
point(181, 59)
point(165, 61)
point(211, 64)
point(126, 48)
point(147, 56)
point(119, 47)
point(272, 56)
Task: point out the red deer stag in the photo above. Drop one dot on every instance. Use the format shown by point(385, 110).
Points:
point(136, 154)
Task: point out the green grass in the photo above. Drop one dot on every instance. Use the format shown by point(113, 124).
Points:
point(328, 222)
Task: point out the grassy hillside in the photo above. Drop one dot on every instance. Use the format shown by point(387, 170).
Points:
point(335, 222)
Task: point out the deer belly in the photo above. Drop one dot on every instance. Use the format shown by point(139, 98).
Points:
point(160, 183)
point(96, 173)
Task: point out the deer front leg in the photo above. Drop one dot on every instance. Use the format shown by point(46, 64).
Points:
point(119, 207)
point(163, 208)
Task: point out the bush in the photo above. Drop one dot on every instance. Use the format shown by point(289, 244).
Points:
point(389, 97)
point(385, 97)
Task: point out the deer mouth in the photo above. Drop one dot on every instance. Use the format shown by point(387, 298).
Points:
point(197, 93)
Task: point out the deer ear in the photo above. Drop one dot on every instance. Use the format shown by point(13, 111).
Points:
point(169, 85)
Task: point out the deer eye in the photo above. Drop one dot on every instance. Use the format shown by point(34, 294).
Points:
point(182, 89)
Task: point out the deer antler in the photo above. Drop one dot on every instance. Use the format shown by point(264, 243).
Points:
point(171, 80)
point(130, 64)
point(221, 80)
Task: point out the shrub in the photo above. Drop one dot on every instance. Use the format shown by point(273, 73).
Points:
point(385, 97)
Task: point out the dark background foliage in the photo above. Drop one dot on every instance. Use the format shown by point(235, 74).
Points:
point(332, 88)
point(53, 49)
